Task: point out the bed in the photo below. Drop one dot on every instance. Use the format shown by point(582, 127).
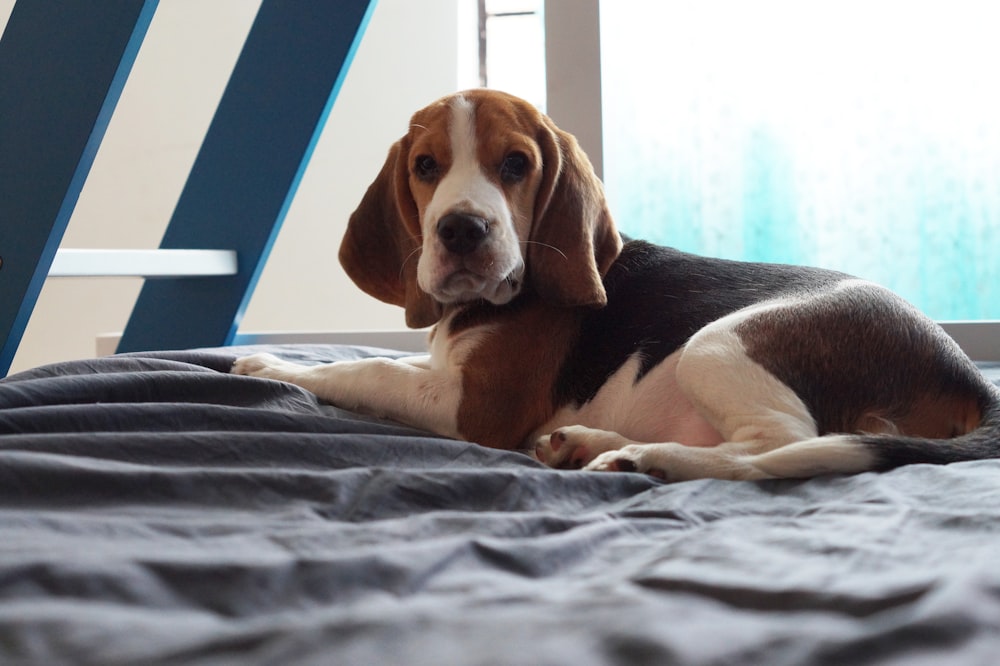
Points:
point(155, 509)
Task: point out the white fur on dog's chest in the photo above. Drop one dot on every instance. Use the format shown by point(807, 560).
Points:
point(654, 409)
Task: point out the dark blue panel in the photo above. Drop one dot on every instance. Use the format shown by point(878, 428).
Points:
point(62, 69)
point(246, 173)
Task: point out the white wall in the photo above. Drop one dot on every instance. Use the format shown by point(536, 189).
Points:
point(154, 136)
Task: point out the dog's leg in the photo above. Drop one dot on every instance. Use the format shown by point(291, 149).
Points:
point(829, 454)
point(768, 430)
point(575, 447)
point(407, 390)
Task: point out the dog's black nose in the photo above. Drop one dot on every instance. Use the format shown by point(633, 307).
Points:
point(461, 234)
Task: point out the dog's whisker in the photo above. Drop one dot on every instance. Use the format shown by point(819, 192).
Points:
point(551, 247)
point(406, 259)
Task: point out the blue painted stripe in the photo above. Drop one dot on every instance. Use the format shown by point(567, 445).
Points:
point(306, 158)
point(248, 168)
point(62, 69)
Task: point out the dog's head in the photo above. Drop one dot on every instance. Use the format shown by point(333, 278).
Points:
point(482, 194)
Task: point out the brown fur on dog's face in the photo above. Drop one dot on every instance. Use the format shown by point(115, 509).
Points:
point(494, 157)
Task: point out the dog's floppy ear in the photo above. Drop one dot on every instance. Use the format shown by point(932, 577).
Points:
point(382, 244)
point(573, 237)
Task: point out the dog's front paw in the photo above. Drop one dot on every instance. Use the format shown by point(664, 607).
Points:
point(631, 458)
point(560, 451)
point(260, 365)
point(573, 447)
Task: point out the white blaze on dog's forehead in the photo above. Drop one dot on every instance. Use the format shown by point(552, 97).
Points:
point(465, 187)
point(463, 134)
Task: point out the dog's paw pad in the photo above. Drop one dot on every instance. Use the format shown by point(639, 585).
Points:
point(576, 447)
point(625, 465)
point(556, 440)
point(559, 449)
point(628, 459)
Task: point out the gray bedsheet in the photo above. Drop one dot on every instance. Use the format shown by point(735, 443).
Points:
point(154, 509)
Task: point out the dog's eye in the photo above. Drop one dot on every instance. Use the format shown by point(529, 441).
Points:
point(513, 167)
point(426, 167)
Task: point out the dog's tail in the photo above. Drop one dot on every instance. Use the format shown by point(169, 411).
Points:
point(981, 443)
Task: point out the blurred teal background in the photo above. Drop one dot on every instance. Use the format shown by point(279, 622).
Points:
point(863, 137)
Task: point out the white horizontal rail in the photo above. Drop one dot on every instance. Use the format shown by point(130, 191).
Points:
point(143, 263)
point(979, 339)
point(399, 340)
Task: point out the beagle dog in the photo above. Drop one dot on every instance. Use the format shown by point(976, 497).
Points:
point(553, 336)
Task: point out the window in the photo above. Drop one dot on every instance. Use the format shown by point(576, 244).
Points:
point(861, 136)
point(511, 48)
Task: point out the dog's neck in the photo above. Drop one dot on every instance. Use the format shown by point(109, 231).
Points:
point(461, 316)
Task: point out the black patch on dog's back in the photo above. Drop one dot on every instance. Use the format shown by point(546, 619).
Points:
point(658, 297)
